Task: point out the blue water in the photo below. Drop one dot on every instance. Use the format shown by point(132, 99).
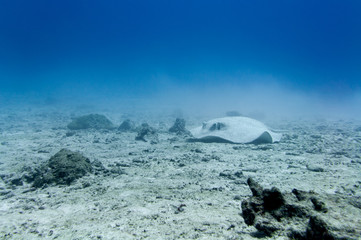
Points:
point(256, 54)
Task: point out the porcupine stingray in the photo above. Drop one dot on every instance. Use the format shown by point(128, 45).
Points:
point(234, 130)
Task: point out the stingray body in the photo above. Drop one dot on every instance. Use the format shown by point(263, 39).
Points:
point(235, 130)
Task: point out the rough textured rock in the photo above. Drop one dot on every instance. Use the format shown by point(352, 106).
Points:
point(179, 127)
point(126, 126)
point(62, 169)
point(146, 133)
point(318, 229)
point(95, 121)
point(255, 187)
point(270, 211)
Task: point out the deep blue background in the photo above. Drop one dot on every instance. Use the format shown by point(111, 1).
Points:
point(132, 46)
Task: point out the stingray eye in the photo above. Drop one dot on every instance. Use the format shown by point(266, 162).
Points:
point(213, 127)
point(221, 126)
point(217, 126)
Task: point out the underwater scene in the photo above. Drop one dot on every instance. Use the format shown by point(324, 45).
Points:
point(180, 119)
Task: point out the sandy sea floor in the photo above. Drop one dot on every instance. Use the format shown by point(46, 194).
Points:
point(170, 190)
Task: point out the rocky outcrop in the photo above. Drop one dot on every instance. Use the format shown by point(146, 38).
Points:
point(91, 121)
point(126, 126)
point(147, 133)
point(63, 168)
point(179, 127)
point(298, 215)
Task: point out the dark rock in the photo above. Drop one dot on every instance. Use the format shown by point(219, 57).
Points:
point(94, 121)
point(270, 211)
point(238, 174)
point(70, 133)
point(318, 205)
point(62, 168)
point(317, 229)
point(297, 235)
point(16, 182)
point(179, 127)
point(293, 210)
point(255, 187)
point(180, 208)
point(232, 226)
point(118, 164)
point(272, 199)
point(205, 159)
point(237, 197)
point(267, 227)
point(126, 126)
point(248, 212)
point(300, 195)
point(197, 150)
point(146, 131)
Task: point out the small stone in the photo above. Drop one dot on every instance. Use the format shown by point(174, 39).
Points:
point(70, 133)
point(318, 205)
point(300, 195)
point(238, 174)
point(237, 197)
point(315, 169)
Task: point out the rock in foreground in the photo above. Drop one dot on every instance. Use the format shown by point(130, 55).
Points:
point(298, 215)
point(62, 169)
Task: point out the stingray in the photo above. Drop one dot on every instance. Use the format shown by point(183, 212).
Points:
point(235, 130)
